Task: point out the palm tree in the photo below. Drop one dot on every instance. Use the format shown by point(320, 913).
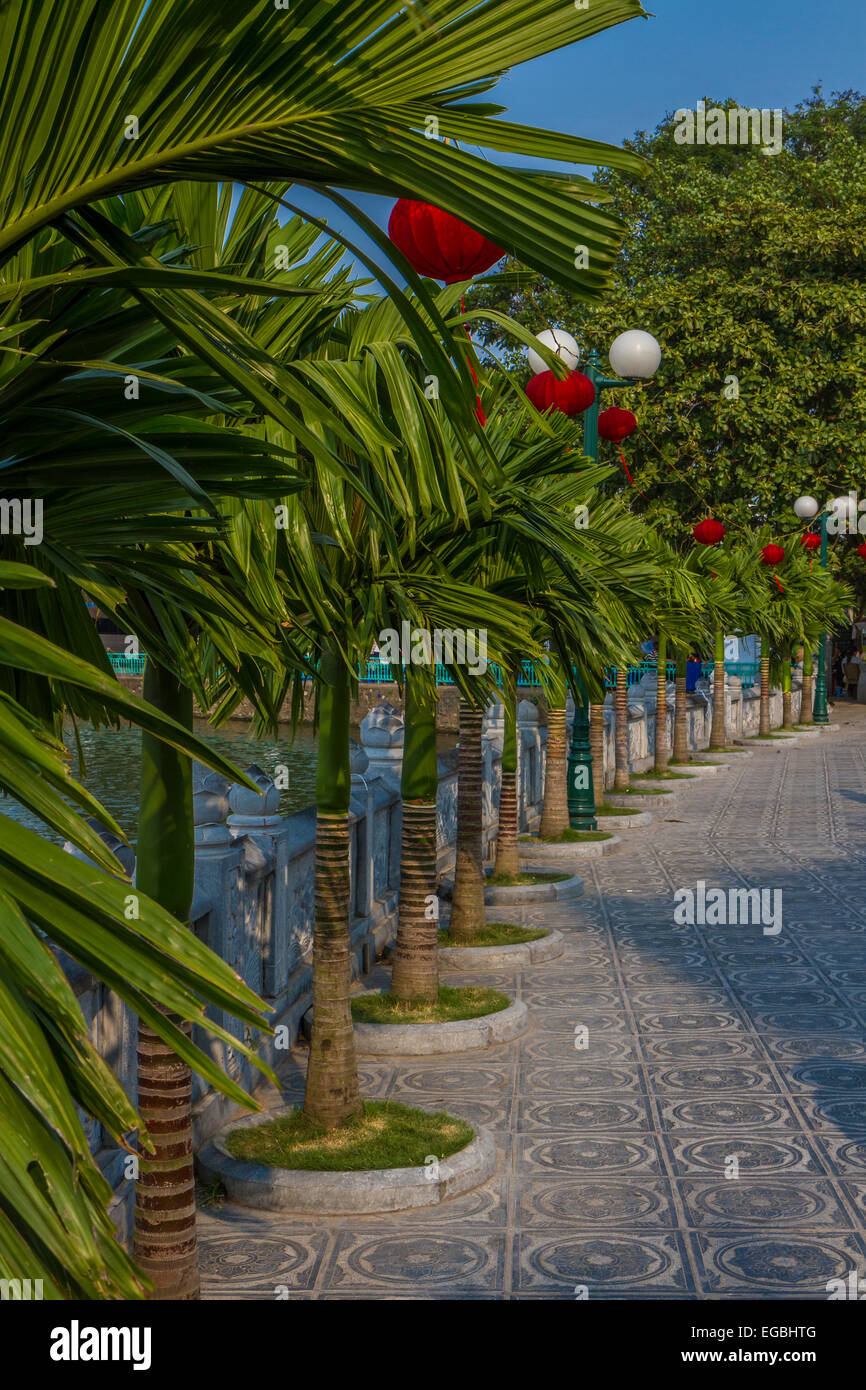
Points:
point(680, 752)
point(161, 572)
point(596, 743)
point(467, 908)
point(416, 966)
point(662, 746)
point(343, 100)
point(158, 971)
point(620, 709)
point(784, 602)
point(808, 692)
point(554, 811)
point(787, 699)
point(252, 109)
point(332, 1093)
point(718, 730)
point(507, 857)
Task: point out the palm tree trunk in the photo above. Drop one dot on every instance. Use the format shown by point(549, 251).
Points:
point(554, 811)
point(467, 911)
point(681, 714)
point(416, 960)
point(164, 1239)
point(718, 730)
point(596, 744)
point(332, 1094)
point(764, 727)
point(507, 860)
point(663, 752)
point(620, 780)
point(806, 694)
point(787, 712)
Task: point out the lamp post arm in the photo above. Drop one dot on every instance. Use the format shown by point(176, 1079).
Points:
point(819, 706)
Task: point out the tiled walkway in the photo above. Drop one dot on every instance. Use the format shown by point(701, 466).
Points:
point(706, 1044)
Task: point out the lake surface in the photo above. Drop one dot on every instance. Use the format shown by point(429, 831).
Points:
point(111, 763)
point(110, 766)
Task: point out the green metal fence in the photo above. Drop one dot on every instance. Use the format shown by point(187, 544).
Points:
point(376, 672)
point(127, 665)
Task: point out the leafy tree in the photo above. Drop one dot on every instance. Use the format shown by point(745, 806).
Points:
point(750, 269)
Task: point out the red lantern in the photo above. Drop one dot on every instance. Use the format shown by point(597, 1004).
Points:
point(709, 532)
point(615, 424)
point(571, 396)
point(772, 555)
point(810, 541)
point(439, 245)
point(861, 550)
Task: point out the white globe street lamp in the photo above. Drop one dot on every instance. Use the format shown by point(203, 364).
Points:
point(559, 342)
point(806, 507)
point(635, 354)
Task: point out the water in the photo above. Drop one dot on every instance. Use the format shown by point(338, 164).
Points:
point(111, 766)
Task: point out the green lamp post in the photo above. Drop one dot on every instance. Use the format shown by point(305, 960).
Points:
point(806, 508)
point(635, 356)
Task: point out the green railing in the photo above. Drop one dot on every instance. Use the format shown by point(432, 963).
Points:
point(376, 672)
point(746, 670)
point(127, 665)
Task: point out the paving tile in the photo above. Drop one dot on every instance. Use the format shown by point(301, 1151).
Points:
point(705, 1044)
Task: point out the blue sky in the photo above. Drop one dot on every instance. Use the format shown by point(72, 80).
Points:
point(764, 53)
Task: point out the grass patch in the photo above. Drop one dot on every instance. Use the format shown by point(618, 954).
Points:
point(693, 762)
point(210, 1194)
point(566, 837)
point(469, 1001)
point(641, 791)
point(764, 738)
point(660, 776)
point(386, 1135)
point(495, 934)
point(605, 810)
point(521, 880)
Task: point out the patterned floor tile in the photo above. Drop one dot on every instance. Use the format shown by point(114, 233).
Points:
point(705, 1140)
point(776, 1264)
point(595, 1265)
point(759, 1203)
point(635, 1203)
point(415, 1260)
point(757, 1155)
point(596, 1155)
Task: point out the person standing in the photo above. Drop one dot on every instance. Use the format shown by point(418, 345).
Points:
point(836, 672)
point(852, 674)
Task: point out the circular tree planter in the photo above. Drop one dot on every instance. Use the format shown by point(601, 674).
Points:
point(309, 1192)
point(502, 895)
point(737, 751)
point(641, 799)
point(564, 853)
point(515, 957)
point(623, 822)
point(772, 744)
point(705, 769)
point(435, 1039)
point(672, 782)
